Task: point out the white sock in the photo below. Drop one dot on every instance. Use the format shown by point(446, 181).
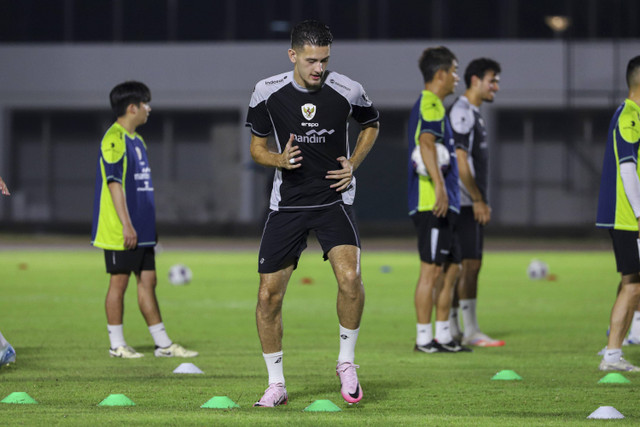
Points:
point(348, 339)
point(424, 335)
point(159, 335)
point(612, 355)
point(634, 331)
point(468, 307)
point(274, 367)
point(443, 332)
point(454, 323)
point(3, 342)
point(116, 336)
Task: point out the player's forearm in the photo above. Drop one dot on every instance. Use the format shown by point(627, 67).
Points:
point(265, 157)
point(470, 184)
point(631, 185)
point(467, 177)
point(366, 139)
point(120, 203)
point(261, 154)
point(429, 155)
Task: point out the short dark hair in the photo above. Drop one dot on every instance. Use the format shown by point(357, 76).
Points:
point(311, 32)
point(633, 68)
point(434, 59)
point(128, 93)
point(480, 67)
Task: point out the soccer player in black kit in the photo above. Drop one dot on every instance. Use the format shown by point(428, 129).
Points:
point(307, 110)
point(482, 78)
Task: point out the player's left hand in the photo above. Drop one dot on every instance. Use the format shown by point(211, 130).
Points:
point(344, 175)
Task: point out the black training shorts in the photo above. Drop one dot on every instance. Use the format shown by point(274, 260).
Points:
point(625, 248)
point(438, 241)
point(285, 234)
point(130, 261)
point(470, 233)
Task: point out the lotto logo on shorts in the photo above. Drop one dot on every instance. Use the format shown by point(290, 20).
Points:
point(261, 260)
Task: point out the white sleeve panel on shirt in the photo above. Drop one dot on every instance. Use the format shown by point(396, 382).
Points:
point(461, 118)
point(264, 88)
point(350, 89)
point(631, 184)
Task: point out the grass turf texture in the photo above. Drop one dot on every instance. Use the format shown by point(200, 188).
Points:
point(51, 310)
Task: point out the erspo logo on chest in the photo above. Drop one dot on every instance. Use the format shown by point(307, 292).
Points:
point(313, 136)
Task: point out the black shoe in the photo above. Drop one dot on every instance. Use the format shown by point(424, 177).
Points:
point(454, 346)
point(431, 347)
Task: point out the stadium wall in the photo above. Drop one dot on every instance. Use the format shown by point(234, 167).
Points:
point(208, 180)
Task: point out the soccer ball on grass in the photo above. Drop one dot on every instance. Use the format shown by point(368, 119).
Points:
point(180, 274)
point(537, 270)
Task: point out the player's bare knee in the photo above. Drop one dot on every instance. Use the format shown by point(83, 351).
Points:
point(471, 268)
point(633, 291)
point(350, 279)
point(351, 293)
point(269, 301)
point(148, 285)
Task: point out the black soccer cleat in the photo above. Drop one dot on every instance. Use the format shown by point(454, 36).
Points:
point(454, 346)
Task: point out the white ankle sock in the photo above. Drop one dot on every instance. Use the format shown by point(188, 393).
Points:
point(424, 334)
point(116, 336)
point(274, 367)
point(443, 333)
point(612, 355)
point(468, 307)
point(348, 339)
point(159, 335)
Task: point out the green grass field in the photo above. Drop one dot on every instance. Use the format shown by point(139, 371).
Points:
point(51, 310)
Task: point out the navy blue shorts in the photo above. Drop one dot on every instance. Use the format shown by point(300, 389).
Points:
point(471, 234)
point(437, 237)
point(625, 248)
point(130, 261)
point(285, 234)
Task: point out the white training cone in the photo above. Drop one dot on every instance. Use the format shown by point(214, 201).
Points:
point(606, 413)
point(187, 368)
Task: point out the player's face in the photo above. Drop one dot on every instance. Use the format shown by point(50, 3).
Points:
point(310, 65)
point(451, 78)
point(489, 85)
point(142, 113)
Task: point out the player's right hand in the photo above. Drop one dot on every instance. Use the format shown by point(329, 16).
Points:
point(441, 206)
point(3, 188)
point(481, 212)
point(130, 237)
point(290, 157)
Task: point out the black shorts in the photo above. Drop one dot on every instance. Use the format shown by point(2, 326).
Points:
point(438, 241)
point(471, 234)
point(285, 234)
point(130, 261)
point(625, 248)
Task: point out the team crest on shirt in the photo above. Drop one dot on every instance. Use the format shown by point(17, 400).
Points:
point(308, 111)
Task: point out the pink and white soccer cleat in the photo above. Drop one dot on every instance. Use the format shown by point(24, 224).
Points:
point(351, 390)
point(482, 340)
point(274, 395)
